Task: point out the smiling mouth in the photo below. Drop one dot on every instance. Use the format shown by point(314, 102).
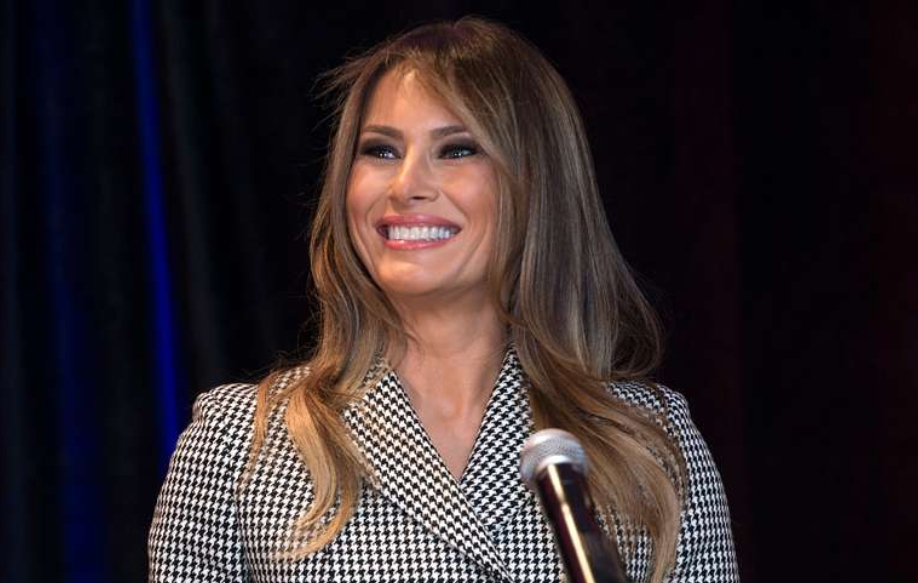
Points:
point(418, 233)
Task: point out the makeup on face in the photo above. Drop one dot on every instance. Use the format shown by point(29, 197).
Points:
point(421, 196)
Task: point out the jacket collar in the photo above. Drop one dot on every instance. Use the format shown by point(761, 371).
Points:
point(404, 465)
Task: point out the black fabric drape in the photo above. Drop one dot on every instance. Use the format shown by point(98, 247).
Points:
point(758, 168)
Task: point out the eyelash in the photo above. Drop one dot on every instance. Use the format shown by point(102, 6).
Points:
point(380, 151)
point(472, 149)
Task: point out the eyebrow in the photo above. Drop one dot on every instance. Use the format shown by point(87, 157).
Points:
point(394, 133)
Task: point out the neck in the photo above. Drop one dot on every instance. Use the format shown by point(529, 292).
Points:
point(452, 355)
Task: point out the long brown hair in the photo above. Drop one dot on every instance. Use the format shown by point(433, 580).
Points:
point(571, 306)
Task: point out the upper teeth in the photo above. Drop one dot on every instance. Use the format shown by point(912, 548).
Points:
point(426, 233)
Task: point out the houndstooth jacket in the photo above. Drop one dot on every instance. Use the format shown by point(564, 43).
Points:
point(414, 522)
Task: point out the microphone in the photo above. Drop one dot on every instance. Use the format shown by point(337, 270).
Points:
point(554, 466)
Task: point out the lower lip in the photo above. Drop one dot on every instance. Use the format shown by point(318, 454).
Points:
point(403, 245)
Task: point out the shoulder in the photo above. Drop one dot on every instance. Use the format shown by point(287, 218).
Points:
point(223, 419)
point(218, 434)
point(705, 550)
point(667, 406)
point(670, 410)
point(226, 402)
point(236, 402)
point(195, 532)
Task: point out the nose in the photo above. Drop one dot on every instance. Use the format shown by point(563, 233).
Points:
point(414, 180)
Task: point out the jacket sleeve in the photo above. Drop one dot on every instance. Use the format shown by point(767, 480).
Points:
point(195, 535)
point(705, 551)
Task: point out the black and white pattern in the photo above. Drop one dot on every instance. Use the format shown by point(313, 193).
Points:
point(414, 522)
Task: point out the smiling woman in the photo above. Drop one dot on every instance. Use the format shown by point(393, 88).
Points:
point(422, 199)
point(470, 293)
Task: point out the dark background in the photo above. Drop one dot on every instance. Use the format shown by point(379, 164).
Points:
point(159, 160)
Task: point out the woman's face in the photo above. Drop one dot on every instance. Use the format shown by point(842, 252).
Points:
point(421, 197)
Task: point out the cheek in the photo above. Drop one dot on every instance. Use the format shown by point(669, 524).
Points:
point(356, 208)
point(484, 202)
point(356, 204)
point(362, 195)
point(361, 206)
point(363, 250)
point(352, 211)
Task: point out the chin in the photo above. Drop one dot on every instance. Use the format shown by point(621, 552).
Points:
point(424, 282)
point(406, 279)
point(414, 290)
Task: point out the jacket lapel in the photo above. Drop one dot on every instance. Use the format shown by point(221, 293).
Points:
point(491, 482)
point(405, 467)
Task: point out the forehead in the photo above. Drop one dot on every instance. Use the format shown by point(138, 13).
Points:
point(400, 97)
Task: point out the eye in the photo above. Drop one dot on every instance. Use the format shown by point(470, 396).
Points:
point(458, 150)
point(377, 150)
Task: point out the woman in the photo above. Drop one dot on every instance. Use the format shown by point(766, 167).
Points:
point(470, 293)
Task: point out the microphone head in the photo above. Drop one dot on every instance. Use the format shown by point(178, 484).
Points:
point(550, 446)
